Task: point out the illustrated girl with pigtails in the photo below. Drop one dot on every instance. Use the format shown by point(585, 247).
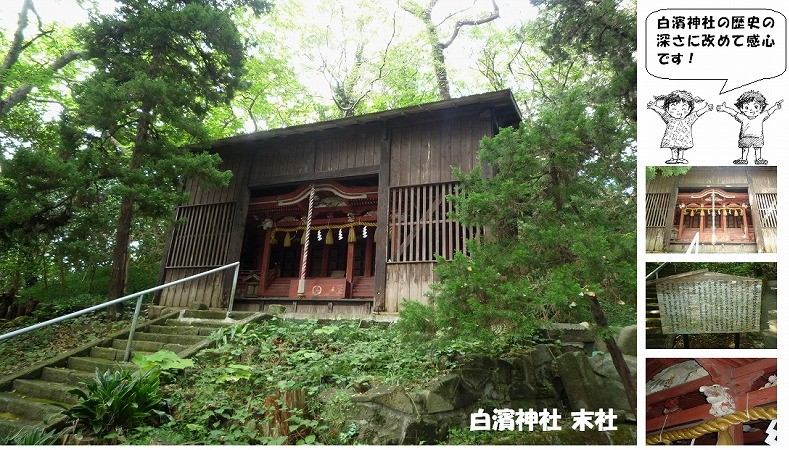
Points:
point(679, 114)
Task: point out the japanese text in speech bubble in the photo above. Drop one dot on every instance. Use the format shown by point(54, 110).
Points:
point(740, 46)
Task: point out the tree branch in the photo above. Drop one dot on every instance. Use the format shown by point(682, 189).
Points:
point(20, 93)
point(16, 46)
point(461, 23)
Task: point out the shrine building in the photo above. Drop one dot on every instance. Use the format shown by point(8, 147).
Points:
point(342, 216)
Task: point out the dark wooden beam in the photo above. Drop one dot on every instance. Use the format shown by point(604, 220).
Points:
point(264, 261)
point(163, 267)
point(255, 183)
point(241, 198)
point(676, 391)
point(379, 304)
point(701, 413)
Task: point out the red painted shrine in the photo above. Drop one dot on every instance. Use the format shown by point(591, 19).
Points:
point(717, 215)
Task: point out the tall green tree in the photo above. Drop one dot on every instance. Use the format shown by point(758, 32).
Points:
point(560, 209)
point(161, 65)
point(440, 37)
point(603, 30)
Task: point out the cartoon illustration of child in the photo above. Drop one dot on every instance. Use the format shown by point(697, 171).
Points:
point(678, 114)
point(751, 114)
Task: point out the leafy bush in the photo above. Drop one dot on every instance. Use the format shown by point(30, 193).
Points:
point(115, 401)
point(236, 393)
point(163, 362)
point(32, 436)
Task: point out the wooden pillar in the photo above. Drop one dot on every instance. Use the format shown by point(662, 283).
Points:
point(349, 268)
point(263, 262)
point(681, 223)
point(735, 431)
point(379, 303)
point(702, 219)
point(744, 221)
point(724, 219)
point(368, 256)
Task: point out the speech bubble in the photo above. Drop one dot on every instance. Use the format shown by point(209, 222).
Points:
point(740, 46)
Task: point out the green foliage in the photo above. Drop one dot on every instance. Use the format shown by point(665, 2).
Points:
point(603, 31)
point(665, 171)
point(233, 393)
point(31, 437)
point(163, 362)
point(561, 213)
point(115, 401)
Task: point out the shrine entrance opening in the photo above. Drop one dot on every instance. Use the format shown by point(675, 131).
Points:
point(311, 241)
point(719, 216)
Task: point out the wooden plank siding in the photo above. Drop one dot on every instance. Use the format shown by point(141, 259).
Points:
point(422, 158)
point(421, 228)
point(412, 151)
point(426, 152)
point(408, 282)
point(205, 237)
point(319, 156)
point(764, 207)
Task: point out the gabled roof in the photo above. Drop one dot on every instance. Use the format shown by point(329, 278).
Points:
point(502, 102)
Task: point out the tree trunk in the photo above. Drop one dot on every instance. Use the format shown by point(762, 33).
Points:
point(439, 63)
point(92, 273)
point(616, 354)
point(120, 253)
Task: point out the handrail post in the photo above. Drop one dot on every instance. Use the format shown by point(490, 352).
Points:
point(120, 300)
point(694, 244)
point(232, 291)
point(136, 316)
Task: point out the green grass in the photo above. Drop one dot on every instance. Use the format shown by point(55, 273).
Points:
point(231, 393)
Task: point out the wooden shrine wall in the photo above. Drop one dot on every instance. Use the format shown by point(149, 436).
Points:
point(661, 194)
point(418, 157)
point(425, 152)
point(208, 235)
point(660, 199)
point(420, 176)
point(409, 281)
point(315, 156)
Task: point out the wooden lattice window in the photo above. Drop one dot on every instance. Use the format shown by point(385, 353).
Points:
point(420, 227)
point(656, 209)
point(201, 236)
point(768, 209)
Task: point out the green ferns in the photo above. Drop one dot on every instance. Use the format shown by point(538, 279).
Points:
point(114, 401)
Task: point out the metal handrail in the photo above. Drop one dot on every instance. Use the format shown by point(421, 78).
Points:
point(694, 244)
point(137, 308)
point(655, 272)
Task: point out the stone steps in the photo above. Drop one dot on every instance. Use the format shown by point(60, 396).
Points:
point(37, 397)
point(114, 354)
point(49, 390)
point(65, 376)
point(10, 424)
point(181, 330)
point(169, 338)
point(148, 346)
point(90, 364)
point(30, 408)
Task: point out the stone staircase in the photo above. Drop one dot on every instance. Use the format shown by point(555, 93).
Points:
point(35, 397)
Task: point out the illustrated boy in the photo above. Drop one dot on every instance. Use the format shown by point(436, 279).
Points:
point(751, 114)
point(678, 114)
